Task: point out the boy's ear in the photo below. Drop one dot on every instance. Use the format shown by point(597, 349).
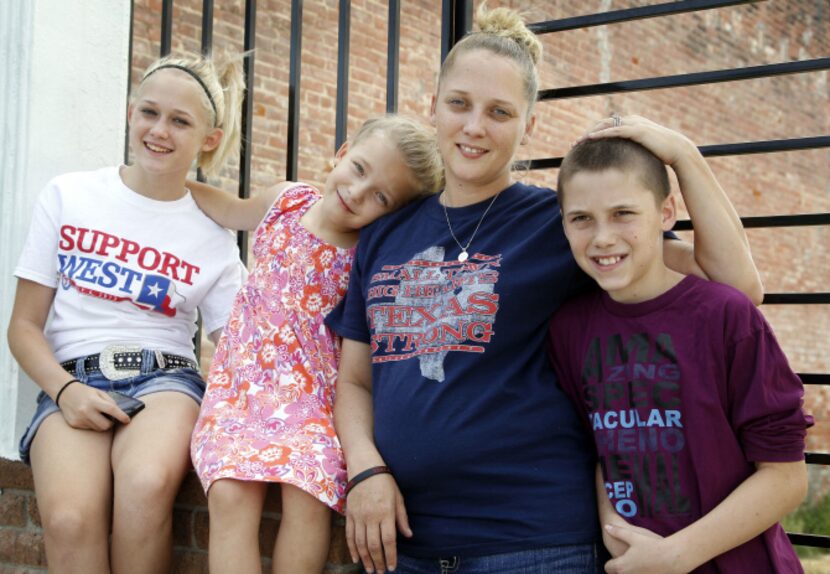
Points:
point(213, 139)
point(668, 212)
point(432, 108)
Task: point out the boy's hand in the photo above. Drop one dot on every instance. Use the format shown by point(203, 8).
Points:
point(646, 553)
point(615, 546)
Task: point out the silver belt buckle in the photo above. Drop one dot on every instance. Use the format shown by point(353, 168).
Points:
point(106, 362)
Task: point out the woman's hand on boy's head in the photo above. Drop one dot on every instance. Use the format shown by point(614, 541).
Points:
point(667, 144)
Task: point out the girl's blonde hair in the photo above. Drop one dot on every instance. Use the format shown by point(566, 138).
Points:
point(502, 31)
point(223, 88)
point(416, 144)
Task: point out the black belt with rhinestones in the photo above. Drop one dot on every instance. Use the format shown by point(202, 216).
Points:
point(130, 360)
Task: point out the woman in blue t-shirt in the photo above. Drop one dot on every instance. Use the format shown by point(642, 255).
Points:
point(454, 431)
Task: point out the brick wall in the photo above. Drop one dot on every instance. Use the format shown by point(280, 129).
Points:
point(793, 259)
point(21, 539)
point(792, 106)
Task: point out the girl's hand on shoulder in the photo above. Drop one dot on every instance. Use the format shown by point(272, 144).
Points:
point(667, 144)
point(375, 512)
point(84, 407)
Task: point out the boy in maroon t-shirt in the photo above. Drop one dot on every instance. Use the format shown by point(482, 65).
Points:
point(696, 415)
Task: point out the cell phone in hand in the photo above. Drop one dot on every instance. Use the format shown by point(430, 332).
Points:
point(126, 403)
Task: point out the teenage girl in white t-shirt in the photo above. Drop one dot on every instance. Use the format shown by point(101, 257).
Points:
point(119, 260)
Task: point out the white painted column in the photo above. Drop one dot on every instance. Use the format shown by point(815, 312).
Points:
point(63, 89)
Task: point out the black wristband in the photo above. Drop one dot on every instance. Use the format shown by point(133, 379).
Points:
point(368, 473)
point(63, 388)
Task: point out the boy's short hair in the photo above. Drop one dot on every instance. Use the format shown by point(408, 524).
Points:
point(615, 153)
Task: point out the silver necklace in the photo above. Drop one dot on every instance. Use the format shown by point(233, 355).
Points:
point(463, 256)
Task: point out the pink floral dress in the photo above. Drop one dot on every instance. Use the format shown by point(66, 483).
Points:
point(267, 414)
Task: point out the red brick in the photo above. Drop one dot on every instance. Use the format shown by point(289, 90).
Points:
point(22, 547)
point(338, 550)
point(189, 562)
point(34, 511)
point(268, 529)
point(191, 493)
point(182, 527)
point(13, 508)
point(201, 528)
point(13, 569)
point(15, 474)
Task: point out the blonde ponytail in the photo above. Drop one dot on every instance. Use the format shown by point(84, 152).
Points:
point(229, 80)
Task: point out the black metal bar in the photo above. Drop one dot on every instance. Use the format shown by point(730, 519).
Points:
point(294, 90)
point(166, 27)
point(822, 458)
point(456, 21)
point(768, 146)
point(816, 540)
point(639, 13)
point(207, 27)
point(343, 43)
point(717, 150)
point(244, 190)
point(544, 163)
point(393, 49)
point(692, 79)
point(815, 378)
point(799, 220)
point(129, 86)
point(447, 26)
point(207, 47)
point(797, 298)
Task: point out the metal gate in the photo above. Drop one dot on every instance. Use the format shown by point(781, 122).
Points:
point(456, 18)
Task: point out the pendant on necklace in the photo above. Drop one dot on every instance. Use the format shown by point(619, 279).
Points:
point(463, 256)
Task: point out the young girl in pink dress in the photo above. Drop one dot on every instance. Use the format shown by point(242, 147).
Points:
point(267, 415)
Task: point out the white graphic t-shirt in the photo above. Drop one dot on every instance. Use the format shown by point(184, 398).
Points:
point(126, 268)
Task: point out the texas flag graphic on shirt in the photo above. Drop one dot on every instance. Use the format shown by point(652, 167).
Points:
point(159, 293)
point(103, 265)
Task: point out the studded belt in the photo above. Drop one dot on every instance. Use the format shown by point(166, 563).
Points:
point(118, 362)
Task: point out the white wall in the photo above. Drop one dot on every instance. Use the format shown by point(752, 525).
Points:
point(63, 91)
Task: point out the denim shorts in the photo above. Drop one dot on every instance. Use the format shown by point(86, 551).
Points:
point(187, 381)
point(569, 559)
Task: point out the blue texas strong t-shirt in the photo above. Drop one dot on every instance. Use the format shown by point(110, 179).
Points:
point(488, 452)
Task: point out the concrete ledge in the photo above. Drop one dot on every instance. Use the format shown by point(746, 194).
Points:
point(21, 537)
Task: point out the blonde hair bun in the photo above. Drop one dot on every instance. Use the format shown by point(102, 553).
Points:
point(509, 23)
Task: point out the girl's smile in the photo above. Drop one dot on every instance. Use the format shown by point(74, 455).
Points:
point(343, 202)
